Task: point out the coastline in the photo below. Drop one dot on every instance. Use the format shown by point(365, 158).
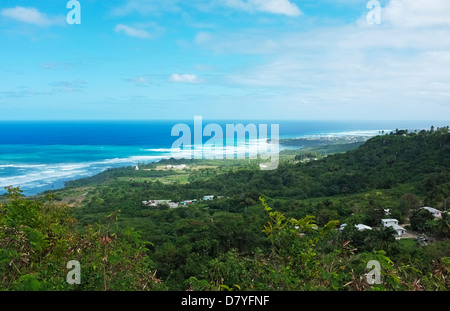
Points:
point(54, 176)
point(44, 174)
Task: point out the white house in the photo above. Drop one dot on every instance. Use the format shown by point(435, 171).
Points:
point(387, 222)
point(173, 204)
point(208, 197)
point(360, 227)
point(154, 203)
point(393, 223)
point(436, 213)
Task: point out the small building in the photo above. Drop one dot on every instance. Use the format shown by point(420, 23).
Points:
point(154, 203)
point(436, 213)
point(136, 168)
point(208, 197)
point(393, 223)
point(176, 167)
point(187, 202)
point(173, 204)
point(387, 222)
point(360, 227)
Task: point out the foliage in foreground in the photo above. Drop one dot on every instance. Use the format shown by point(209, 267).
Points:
point(38, 239)
point(297, 261)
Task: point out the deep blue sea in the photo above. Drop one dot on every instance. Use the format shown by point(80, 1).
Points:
point(42, 155)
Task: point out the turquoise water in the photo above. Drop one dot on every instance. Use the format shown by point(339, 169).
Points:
point(39, 156)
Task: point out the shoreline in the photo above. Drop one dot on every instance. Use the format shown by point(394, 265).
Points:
point(56, 183)
point(92, 168)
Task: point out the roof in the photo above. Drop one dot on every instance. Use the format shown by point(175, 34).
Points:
point(431, 209)
point(363, 227)
point(397, 227)
point(360, 227)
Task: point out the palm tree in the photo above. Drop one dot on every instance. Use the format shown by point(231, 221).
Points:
point(383, 239)
point(443, 226)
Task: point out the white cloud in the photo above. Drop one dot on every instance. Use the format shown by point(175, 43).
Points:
point(184, 78)
point(132, 32)
point(22, 92)
point(138, 81)
point(142, 30)
point(31, 16)
point(360, 70)
point(69, 86)
point(56, 66)
point(146, 7)
point(283, 7)
point(417, 13)
point(203, 37)
point(251, 41)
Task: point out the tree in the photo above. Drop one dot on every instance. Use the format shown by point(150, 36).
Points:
point(408, 203)
point(422, 221)
point(375, 213)
point(38, 239)
point(294, 249)
point(383, 239)
point(443, 226)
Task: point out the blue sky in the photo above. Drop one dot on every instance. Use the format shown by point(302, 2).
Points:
point(225, 59)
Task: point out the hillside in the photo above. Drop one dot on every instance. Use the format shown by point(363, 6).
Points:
point(237, 239)
point(382, 162)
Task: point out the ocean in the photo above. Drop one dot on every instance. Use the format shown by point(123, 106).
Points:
point(43, 155)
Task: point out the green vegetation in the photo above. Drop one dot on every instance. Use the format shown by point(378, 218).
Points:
point(38, 239)
point(264, 230)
